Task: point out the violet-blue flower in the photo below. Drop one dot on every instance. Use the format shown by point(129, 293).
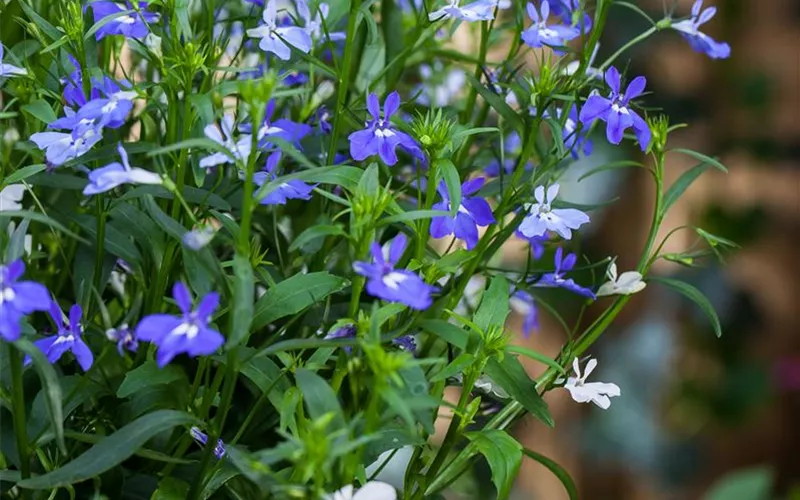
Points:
point(700, 42)
point(576, 141)
point(379, 137)
point(202, 438)
point(557, 278)
point(189, 333)
point(290, 190)
point(60, 147)
point(567, 9)
point(279, 39)
point(615, 110)
point(542, 217)
point(406, 342)
point(281, 128)
point(313, 24)
point(115, 174)
point(223, 135)
point(472, 212)
point(124, 338)
point(481, 10)
point(131, 25)
point(18, 299)
point(523, 302)
point(540, 33)
point(9, 70)
point(69, 337)
point(394, 285)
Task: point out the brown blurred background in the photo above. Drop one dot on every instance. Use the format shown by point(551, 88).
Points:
point(699, 417)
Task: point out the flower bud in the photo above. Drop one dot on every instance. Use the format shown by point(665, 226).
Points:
point(434, 132)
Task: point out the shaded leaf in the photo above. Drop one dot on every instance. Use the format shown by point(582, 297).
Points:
point(293, 295)
point(695, 296)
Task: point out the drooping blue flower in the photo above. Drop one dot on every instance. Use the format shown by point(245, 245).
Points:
point(406, 342)
point(322, 118)
point(115, 174)
point(9, 70)
point(557, 278)
point(523, 303)
point(472, 212)
point(223, 135)
point(567, 10)
point(616, 111)
point(131, 25)
point(279, 39)
point(700, 42)
point(281, 128)
point(379, 137)
point(124, 338)
point(61, 147)
point(394, 285)
point(346, 331)
point(290, 190)
point(18, 299)
point(189, 333)
point(202, 438)
point(481, 10)
point(577, 141)
point(69, 337)
point(542, 217)
point(540, 33)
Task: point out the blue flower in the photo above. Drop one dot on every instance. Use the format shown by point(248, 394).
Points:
point(406, 342)
point(202, 438)
point(322, 117)
point(115, 174)
point(239, 149)
point(557, 278)
point(700, 42)
point(60, 147)
point(289, 190)
point(522, 302)
point(9, 70)
point(482, 10)
point(279, 39)
point(577, 141)
point(615, 110)
point(189, 333)
point(566, 10)
point(282, 128)
point(379, 137)
point(18, 299)
point(540, 34)
point(472, 212)
point(69, 337)
point(313, 25)
point(132, 25)
point(124, 338)
point(346, 331)
point(390, 284)
point(542, 217)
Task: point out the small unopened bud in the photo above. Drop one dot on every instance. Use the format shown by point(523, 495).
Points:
point(10, 137)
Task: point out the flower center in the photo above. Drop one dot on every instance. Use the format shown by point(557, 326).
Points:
point(64, 339)
point(7, 295)
point(190, 330)
point(127, 19)
point(393, 280)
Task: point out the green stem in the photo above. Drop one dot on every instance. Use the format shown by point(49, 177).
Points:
point(425, 224)
point(20, 423)
point(473, 93)
point(101, 240)
point(344, 77)
point(625, 47)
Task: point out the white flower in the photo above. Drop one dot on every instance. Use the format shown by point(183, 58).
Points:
point(482, 10)
point(581, 391)
point(10, 196)
point(373, 490)
point(628, 282)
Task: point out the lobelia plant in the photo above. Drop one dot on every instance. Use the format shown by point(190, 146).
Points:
point(327, 319)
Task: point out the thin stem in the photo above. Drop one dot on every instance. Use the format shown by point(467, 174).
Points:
point(625, 47)
point(344, 77)
point(20, 424)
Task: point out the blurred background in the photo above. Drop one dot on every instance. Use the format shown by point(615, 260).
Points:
point(699, 417)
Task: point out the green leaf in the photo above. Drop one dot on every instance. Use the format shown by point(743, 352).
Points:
point(197, 142)
point(504, 455)
point(536, 356)
point(141, 452)
point(40, 22)
point(165, 222)
point(105, 20)
point(447, 331)
point(16, 242)
point(171, 488)
point(319, 397)
point(116, 242)
point(611, 166)
point(494, 307)
point(40, 110)
point(511, 376)
point(315, 232)
point(695, 296)
point(148, 375)
point(23, 174)
point(461, 134)
point(36, 216)
point(340, 175)
point(452, 180)
point(681, 184)
point(412, 215)
point(111, 451)
point(701, 157)
point(293, 295)
point(369, 183)
point(303, 344)
point(497, 103)
point(50, 386)
point(394, 40)
point(243, 297)
point(748, 484)
point(557, 471)
point(456, 366)
point(219, 477)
